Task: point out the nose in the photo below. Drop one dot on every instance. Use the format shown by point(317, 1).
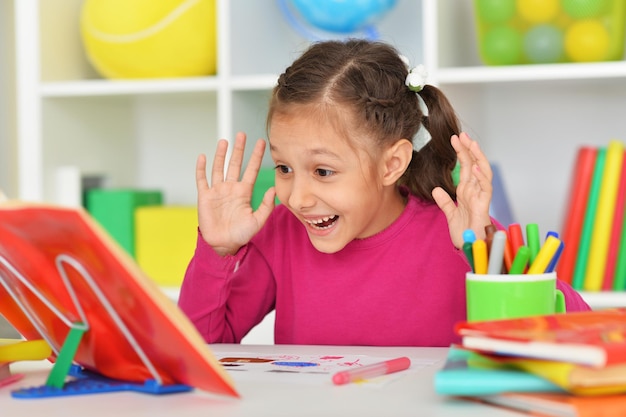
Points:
point(301, 193)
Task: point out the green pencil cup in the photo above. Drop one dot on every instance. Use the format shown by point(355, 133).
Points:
point(504, 296)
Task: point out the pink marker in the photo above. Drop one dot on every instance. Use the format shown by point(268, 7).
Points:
point(371, 371)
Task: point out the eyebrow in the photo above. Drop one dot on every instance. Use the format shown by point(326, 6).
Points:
point(314, 151)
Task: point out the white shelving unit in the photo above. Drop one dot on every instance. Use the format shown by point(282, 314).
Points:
point(147, 134)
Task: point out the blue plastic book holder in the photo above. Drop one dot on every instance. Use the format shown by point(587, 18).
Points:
point(86, 382)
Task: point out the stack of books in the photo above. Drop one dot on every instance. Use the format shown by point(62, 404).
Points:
point(554, 365)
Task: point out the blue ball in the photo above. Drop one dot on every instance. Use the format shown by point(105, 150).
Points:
point(342, 16)
point(544, 44)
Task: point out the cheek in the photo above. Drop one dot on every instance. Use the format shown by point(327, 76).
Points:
point(282, 190)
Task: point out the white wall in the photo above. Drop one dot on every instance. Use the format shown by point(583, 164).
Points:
point(7, 101)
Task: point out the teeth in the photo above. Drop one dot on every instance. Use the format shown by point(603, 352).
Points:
point(319, 222)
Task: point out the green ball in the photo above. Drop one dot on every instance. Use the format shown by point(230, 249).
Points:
point(580, 9)
point(495, 11)
point(544, 44)
point(502, 45)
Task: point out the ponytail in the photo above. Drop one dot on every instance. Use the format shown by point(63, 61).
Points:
point(432, 165)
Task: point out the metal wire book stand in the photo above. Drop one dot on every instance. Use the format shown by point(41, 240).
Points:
point(82, 381)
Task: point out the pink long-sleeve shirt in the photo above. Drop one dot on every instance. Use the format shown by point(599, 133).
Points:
point(404, 286)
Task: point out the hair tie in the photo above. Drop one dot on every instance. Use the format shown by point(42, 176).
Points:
point(416, 80)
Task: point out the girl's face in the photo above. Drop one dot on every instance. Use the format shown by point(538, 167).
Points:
point(335, 190)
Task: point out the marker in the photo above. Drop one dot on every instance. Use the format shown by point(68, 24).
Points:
point(468, 238)
point(496, 254)
point(371, 371)
point(545, 255)
point(533, 241)
point(552, 233)
point(520, 261)
point(490, 230)
point(508, 254)
point(516, 236)
point(479, 251)
point(555, 259)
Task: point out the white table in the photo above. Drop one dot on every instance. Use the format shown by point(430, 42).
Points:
point(408, 394)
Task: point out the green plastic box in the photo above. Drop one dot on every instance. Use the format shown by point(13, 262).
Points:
point(114, 209)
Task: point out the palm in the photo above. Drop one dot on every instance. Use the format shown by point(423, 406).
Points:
point(226, 218)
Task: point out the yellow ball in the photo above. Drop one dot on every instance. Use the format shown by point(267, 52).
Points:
point(538, 11)
point(586, 41)
point(150, 38)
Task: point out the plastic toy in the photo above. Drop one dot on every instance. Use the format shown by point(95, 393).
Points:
point(148, 39)
point(335, 17)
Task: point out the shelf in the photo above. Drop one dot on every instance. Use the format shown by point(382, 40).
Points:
point(604, 299)
point(87, 88)
point(532, 73)
point(101, 87)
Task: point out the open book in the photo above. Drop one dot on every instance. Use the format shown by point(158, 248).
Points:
point(59, 269)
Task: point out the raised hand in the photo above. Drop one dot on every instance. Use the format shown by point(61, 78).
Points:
point(473, 193)
point(225, 216)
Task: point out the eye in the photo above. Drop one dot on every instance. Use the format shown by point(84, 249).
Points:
point(283, 169)
point(324, 172)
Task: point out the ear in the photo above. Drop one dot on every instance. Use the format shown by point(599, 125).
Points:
point(396, 160)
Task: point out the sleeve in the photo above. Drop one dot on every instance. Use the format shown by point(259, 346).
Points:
point(222, 297)
point(573, 300)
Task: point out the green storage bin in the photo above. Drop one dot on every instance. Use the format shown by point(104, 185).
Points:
point(114, 209)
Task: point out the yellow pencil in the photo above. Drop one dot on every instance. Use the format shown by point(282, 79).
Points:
point(479, 251)
point(545, 255)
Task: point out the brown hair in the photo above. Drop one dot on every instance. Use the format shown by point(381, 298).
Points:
point(368, 80)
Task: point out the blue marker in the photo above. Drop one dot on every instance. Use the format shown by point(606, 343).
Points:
point(469, 237)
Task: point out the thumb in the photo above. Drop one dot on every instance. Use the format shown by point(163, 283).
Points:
point(444, 202)
point(267, 205)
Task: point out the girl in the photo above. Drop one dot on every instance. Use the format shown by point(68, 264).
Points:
point(364, 247)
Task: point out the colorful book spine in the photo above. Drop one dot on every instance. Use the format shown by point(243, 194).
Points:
point(616, 235)
point(601, 231)
point(619, 280)
point(578, 194)
point(580, 266)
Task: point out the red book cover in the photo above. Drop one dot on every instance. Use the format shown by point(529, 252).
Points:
point(595, 338)
point(578, 194)
point(59, 267)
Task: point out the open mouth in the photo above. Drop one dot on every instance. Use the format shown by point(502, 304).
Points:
point(323, 223)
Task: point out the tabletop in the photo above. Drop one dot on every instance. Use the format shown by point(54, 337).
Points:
point(406, 393)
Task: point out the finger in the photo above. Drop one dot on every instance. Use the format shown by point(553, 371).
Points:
point(481, 160)
point(463, 156)
point(444, 202)
point(201, 181)
point(236, 159)
point(217, 173)
point(482, 179)
point(254, 164)
point(264, 210)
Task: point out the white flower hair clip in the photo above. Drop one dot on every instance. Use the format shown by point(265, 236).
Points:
point(416, 79)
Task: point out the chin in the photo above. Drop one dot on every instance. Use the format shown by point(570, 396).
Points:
point(327, 247)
